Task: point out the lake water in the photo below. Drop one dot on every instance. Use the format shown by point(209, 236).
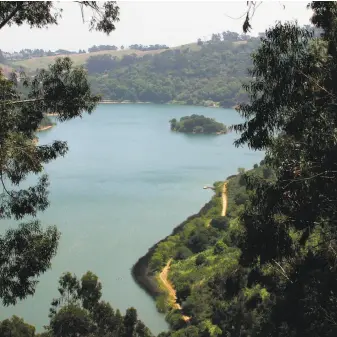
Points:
point(125, 183)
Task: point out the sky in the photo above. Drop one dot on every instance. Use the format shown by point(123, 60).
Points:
point(149, 22)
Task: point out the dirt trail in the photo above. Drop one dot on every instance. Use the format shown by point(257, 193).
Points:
point(167, 284)
point(224, 199)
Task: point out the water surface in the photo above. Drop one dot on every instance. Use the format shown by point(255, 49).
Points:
point(126, 182)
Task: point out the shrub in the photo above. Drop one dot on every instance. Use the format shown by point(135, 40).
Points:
point(220, 222)
point(183, 253)
point(219, 248)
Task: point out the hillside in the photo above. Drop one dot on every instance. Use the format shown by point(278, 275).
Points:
point(80, 59)
point(210, 74)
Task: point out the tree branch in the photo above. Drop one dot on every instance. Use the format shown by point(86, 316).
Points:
point(19, 5)
point(23, 101)
point(4, 187)
point(283, 271)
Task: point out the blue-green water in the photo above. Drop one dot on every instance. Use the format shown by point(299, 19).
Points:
point(126, 182)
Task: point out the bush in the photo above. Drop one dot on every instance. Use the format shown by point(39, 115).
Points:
point(219, 248)
point(267, 172)
point(183, 253)
point(240, 198)
point(175, 320)
point(201, 239)
point(220, 222)
point(201, 259)
point(183, 292)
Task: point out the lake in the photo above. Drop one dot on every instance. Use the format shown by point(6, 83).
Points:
point(125, 183)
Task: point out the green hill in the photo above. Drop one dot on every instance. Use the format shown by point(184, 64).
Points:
point(78, 59)
point(211, 75)
point(207, 73)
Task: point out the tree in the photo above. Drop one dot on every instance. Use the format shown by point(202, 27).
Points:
point(71, 321)
point(26, 252)
point(16, 327)
point(80, 312)
point(290, 223)
point(44, 13)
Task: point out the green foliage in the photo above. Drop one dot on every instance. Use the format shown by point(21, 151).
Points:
point(183, 253)
point(71, 321)
point(79, 311)
point(220, 222)
point(44, 13)
point(197, 124)
point(16, 327)
point(26, 252)
point(175, 320)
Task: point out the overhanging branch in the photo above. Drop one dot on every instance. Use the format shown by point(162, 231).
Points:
point(19, 5)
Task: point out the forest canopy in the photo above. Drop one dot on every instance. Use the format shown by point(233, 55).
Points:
point(197, 124)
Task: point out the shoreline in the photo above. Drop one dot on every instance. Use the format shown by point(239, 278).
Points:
point(44, 128)
point(141, 272)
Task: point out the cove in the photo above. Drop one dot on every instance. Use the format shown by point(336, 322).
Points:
point(125, 183)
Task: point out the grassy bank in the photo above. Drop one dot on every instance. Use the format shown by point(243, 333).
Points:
point(200, 249)
point(146, 270)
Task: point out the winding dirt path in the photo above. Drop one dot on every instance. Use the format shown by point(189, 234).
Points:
point(169, 287)
point(224, 199)
point(164, 273)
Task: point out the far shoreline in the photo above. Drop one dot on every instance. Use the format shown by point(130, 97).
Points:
point(168, 103)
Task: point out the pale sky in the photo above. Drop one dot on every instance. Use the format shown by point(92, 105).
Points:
point(150, 22)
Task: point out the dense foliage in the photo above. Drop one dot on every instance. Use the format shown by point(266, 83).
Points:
point(208, 74)
point(101, 48)
point(79, 311)
point(197, 124)
point(26, 251)
point(150, 47)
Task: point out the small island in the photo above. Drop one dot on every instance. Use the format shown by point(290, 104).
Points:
point(198, 124)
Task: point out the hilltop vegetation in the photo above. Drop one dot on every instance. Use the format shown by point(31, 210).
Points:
point(209, 73)
point(197, 124)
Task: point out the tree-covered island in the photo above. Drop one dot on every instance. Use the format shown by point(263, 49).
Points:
point(198, 124)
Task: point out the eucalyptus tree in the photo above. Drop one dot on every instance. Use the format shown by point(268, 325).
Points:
point(26, 251)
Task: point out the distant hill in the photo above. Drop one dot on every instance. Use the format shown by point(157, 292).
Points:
point(81, 58)
point(208, 73)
